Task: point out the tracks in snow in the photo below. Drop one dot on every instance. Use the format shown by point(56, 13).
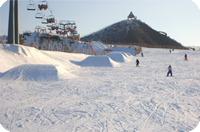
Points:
point(177, 91)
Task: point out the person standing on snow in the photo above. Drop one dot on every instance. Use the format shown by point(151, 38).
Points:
point(137, 63)
point(169, 70)
point(186, 57)
point(142, 54)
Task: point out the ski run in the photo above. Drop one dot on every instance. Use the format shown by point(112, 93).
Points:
point(51, 91)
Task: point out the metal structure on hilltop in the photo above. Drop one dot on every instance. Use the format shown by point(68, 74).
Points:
point(131, 16)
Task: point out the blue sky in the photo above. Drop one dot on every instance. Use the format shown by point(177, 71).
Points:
point(180, 19)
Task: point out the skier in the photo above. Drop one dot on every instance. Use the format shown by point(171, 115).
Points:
point(186, 57)
point(137, 63)
point(142, 55)
point(169, 70)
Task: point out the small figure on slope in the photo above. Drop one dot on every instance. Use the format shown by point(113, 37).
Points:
point(169, 70)
point(186, 57)
point(142, 54)
point(137, 63)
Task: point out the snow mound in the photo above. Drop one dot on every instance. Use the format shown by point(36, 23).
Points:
point(34, 72)
point(14, 48)
point(119, 56)
point(97, 61)
point(14, 55)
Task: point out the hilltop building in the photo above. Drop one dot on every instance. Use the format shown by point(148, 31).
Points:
point(131, 16)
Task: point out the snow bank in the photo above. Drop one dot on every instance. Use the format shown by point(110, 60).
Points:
point(31, 72)
point(97, 61)
point(119, 56)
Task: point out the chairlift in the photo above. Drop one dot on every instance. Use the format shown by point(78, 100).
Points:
point(72, 30)
point(44, 20)
point(59, 32)
point(50, 19)
point(55, 27)
point(64, 32)
point(39, 15)
point(43, 29)
point(37, 28)
point(75, 32)
point(43, 5)
point(49, 29)
point(49, 26)
point(31, 6)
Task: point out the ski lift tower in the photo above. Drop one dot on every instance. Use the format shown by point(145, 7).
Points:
point(63, 24)
point(73, 32)
point(72, 25)
point(13, 24)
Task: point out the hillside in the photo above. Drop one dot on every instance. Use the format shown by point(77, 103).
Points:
point(133, 32)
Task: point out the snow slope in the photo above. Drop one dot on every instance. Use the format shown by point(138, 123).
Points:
point(106, 99)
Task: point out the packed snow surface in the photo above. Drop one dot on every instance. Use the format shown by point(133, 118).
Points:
point(90, 97)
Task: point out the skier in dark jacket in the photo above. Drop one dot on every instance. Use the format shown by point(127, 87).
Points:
point(137, 63)
point(169, 70)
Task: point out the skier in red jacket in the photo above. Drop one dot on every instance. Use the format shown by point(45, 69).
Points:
point(186, 57)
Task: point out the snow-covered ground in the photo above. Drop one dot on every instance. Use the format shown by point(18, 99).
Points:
point(50, 91)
